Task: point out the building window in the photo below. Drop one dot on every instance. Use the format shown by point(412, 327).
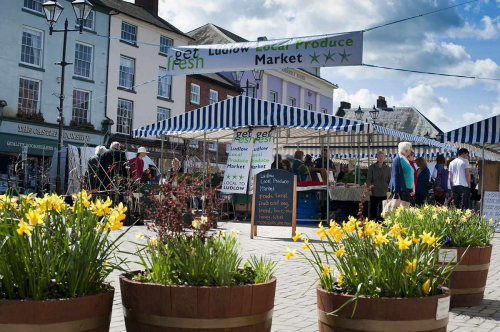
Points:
point(292, 101)
point(81, 106)
point(165, 44)
point(129, 33)
point(83, 60)
point(35, 5)
point(32, 47)
point(251, 90)
point(127, 72)
point(124, 116)
point(309, 106)
point(214, 96)
point(162, 114)
point(29, 96)
point(89, 22)
point(164, 84)
point(273, 96)
point(212, 146)
point(194, 144)
point(195, 94)
point(324, 110)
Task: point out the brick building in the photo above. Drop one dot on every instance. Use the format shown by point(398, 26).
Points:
point(203, 90)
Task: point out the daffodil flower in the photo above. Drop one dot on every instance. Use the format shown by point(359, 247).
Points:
point(297, 236)
point(326, 270)
point(234, 232)
point(340, 252)
point(403, 244)
point(291, 253)
point(24, 228)
point(306, 245)
point(35, 218)
point(340, 279)
point(411, 266)
point(426, 286)
point(139, 235)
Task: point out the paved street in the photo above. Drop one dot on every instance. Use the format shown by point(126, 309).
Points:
point(295, 304)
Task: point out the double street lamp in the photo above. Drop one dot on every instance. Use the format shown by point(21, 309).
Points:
point(53, 10)
point(257, 75)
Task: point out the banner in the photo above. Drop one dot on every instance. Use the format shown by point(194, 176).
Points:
point(238, 163)
point(262, 156)
point(319, 51)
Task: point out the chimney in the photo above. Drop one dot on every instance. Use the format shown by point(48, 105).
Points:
point(381, 103)
point(263, 38)
point(150, 5)
point(345, 105)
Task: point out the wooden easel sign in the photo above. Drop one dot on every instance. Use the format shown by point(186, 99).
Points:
point(274, 200)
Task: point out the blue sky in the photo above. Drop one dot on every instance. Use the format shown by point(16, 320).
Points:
point(463, 41)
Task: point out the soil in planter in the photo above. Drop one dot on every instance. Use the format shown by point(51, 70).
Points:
point(152, 307)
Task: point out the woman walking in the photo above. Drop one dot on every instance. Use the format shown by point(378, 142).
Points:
point(423, 183)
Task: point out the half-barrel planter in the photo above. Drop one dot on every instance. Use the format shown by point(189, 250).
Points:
point(382, 314)
point(154, 307)
point(468, 280)
point(87, 313)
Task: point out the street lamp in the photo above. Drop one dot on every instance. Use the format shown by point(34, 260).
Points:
point(257, 75)
point(374, 114)
point(359, 113)
point(53, 10)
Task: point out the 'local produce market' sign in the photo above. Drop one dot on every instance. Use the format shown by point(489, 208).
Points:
point(319, 51)
point(238, 163)
point(262, 156)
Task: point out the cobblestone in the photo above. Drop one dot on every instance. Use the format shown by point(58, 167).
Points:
point(295, 303)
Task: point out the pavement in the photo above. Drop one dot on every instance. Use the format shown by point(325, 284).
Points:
point(295, 302)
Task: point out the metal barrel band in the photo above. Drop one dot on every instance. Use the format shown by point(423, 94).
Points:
point(381, 326)
point(197, 323)
point(465, 268)
point(86, 324)
point(458, 291)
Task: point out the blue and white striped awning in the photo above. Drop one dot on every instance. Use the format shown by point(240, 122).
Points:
point(244, 111)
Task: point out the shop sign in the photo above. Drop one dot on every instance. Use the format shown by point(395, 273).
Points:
point(262, 156)
point(238, 163)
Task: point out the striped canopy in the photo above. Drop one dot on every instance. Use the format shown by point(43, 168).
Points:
point(217, 121)
point(485, 132)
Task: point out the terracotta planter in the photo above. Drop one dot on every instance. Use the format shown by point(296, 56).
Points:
point(153, 307)
point(468, 280)
point(383, 314)
point(87, 313)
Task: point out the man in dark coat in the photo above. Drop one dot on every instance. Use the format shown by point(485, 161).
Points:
point(93, 166)
point(113, 165)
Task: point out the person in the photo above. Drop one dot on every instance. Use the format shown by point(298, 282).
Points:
point(343, 171)
point(137, 165)
point(286, 165)
point(308, 160)
point(413, 164)
point(299, 168)
point(440, 172)
point(379, 176)
point(280, 163)
point(460, 179)
point(112, 165)
point(321, 161)
point(475, 195)
point(423, 184)
point(93, 166)
point(402, 174)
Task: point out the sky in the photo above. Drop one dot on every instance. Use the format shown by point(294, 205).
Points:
point(462, 41)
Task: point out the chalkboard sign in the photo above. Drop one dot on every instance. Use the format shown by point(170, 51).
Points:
point(274, 200)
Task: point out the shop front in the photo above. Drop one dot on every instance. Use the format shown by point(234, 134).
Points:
point(27, 148)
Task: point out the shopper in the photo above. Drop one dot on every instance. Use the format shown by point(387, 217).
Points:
point(93, 166)
point(460, 179)
point(343, 171)
point(440, 179)
point(112, 165)
point(379, 176)
point(423, 183)
point(402, 174)
point(280, 163)
point(299, 168)
point(137, 165)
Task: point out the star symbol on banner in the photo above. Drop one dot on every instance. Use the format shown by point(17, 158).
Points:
point(344, 56)
point(314, 57)
point(241, 177)
point(329, 56)
point(235, 177)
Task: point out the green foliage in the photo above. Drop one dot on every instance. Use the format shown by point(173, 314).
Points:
point(264, 268)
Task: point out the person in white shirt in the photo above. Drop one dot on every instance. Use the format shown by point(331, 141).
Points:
point(460, 179)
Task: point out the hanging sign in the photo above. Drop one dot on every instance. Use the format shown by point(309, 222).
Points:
point(319, 51)
point(238, 163)
point(262, 156)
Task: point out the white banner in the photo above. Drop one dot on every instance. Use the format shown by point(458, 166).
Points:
point(320, 51)
point(262, 156)
point(491, 207)
point(238, 163)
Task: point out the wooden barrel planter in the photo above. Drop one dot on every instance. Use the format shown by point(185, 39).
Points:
point(87, 313)
point(153, 307)
point(468, 280)
point(383, 314)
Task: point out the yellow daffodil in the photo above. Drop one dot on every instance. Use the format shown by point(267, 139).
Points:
point(397, 230)
point(290, 253)
point(297, 236)
point(306, 245)
point(340, 279)
point(403, 244)
point(234, 232)
point(411, 266)
point(426, 286)
point(420, 216)
point(35, 218)
point(490, 221)
point(153, 241)
point(415, 240)
point(381, 238)
point(464, 219)
point(24, 228)
point(448, 220)
point(326, 270)
point(429, 238)
point(7, 202)
point(321, 232)
point(349, 226)
point(139, 235)
point(196, 223)
point(221, 233)
point(434, 216)
point(340, 252)
point(204, 220)
point(468, 212)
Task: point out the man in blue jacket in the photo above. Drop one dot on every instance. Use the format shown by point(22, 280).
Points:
point(402, 174)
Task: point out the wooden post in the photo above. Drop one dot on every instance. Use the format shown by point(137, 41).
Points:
point(253, 228)
point(294, 211)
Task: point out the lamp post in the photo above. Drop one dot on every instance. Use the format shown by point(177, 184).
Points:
point(257, 75)
point(359, 113)
point(53, 10)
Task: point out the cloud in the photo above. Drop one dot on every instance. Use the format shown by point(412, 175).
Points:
point(489, 29)
point(472, 117)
